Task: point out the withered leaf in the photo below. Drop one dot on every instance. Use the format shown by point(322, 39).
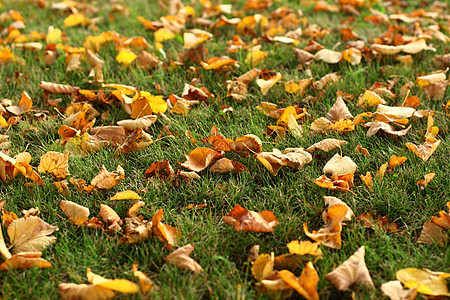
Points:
point(181, 259)
point(76, 213)
point(200, 158)
point(248, 220)
point(350, 272)
point(55, 163)
point(326, 145)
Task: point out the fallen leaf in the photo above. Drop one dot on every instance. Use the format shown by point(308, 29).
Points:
point(367, 179)
point(225, 165)
point(167, 234)
point(331, 201)
point(340, 165)
point(330, 234)
point(433, 234)
point(424, 182)
point(128, 194)
point(362, 150)
point(181, 259)
point(265, 85)
point(337, 182)
point(339, 111)
point(426, 80)
point(371, 221)
point(200, 158)
point(245, 144)
point(70, 291)
point(109, 215)
point(24, 106)
point(374, 127)
point(425, 150)
point(350, 272)
point(248, 220)
point(326, 145)
point(76, 213)
point(139, 123)
point(25, 260)
point(134, 209)
point(145, 284)
point(369, 99)
point(292, 157)
point(306, 284)
point(118, 285)
point(395, 291)
point(30, 234)
point(262, 266)
point(425, 282)
point(55, 163)
point(328, 56)
point(106, 180)
point(395, 161)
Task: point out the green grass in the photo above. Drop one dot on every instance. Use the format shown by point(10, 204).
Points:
point(291, 195)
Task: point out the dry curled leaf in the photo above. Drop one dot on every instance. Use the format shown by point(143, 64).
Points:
point(200, 158)
point(145, 284)
point(167, 234)
point(372, 221)
point(248, 220)
point(181, 259)
point(336, 182)
point(306, 284)
point(330, 234)
point(225, 165)
point(326, 145)
point(106, 180)
point(339, 111)
point(109, 215)
point(350, 272)
point(424, 182)
point(293, 157)
point(433, 234)
point(425, 150)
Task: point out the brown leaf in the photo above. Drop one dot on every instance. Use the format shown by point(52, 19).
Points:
point(328, 79)
point(424, 182)
point(140, 123)
point(248, 220)
point(292, 157)
point(107, 180)
point(160, 170)
point(109, 215)
point(24, 106)
point(135, 207)
point(372, 221)
point(350, 272)
point(136, 230)
point(306, 284)
point(336, 182)
point(395, 291)
point(247, 144)
point(181, 259)
point(70, 291)
point(145, 284)
point(433, 234)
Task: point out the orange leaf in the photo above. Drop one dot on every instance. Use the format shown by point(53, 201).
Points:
point(425, 150)
point(167, 234)
point(248, 220)
point(200, 158)
point(25, 260)
point(371, 220)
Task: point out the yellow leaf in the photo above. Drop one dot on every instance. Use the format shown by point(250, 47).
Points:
point(255, 57)
point(126, 195)
point(75, 19)
point(118, 285)
point(55, 163)
point(77, 214)
point(163, 34)
point(425, 282)
point(125, 57)
point(265, 85)
point(54, 36)
point(181, 259)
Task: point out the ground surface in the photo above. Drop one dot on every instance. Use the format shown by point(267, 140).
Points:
point(291, 195)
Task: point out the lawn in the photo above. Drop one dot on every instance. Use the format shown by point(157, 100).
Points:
point(291, 195)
